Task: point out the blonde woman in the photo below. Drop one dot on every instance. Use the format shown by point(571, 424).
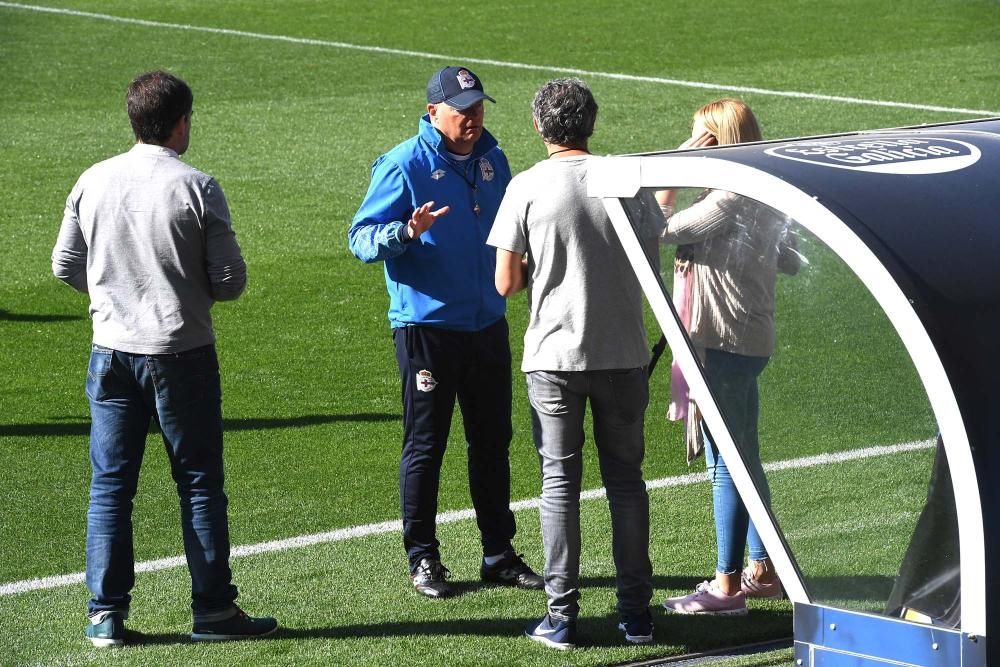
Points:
point(734, 248)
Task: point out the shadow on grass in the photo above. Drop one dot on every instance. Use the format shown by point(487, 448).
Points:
point(479, 627)
point(683, 634)
point(674, 635)
point(82, 428)
point(863, 588)
point(133, 637)
point(7, 316)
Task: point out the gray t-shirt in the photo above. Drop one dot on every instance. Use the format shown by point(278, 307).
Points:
point(585, 301)
point(148, 237)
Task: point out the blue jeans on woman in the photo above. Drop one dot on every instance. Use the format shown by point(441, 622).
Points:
point(733, 380)
point(182, 392)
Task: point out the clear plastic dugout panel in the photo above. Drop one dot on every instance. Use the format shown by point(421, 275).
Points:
point(821, 399)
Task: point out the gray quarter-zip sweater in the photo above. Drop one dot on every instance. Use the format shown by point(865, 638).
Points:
point(149, 238)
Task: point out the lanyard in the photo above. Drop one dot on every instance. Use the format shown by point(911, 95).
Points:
point(470, 183)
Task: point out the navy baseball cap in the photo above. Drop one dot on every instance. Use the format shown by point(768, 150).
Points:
point(457, 86)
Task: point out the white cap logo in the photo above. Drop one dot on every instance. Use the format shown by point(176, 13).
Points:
point(899, 154)
point(465, 80)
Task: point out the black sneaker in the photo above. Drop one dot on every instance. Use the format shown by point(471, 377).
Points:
point(430, 578)
point(237, 626)
point(511, 571)
point(106, 628)
point(638, 628)
point(553, 633)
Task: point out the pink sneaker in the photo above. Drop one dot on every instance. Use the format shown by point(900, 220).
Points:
point(754, 588)
point(707, 599)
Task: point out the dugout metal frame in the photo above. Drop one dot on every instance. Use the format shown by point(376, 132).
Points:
point(922, 195)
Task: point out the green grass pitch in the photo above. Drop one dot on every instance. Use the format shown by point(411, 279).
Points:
point(290, 127)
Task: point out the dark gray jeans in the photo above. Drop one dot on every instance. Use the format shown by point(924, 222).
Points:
point(618, 400)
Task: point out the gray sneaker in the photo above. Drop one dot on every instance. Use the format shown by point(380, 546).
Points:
point(430, 578)
point(106, 628)
point(553, 633)
point(237, 626)
point(638, 628)
point(511, 571)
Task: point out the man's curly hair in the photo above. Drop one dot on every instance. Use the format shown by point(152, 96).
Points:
point(565, 111)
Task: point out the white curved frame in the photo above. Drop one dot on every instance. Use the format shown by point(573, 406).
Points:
point(613, 177)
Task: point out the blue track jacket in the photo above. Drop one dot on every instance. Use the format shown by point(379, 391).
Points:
point(445, 278)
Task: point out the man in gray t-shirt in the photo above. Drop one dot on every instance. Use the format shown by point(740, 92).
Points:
point(585, 341)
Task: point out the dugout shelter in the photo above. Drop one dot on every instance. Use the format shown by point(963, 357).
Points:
point(880, 408)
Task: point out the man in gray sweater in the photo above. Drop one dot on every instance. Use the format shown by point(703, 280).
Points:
point(149, 239)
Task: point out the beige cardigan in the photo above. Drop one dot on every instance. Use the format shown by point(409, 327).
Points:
point(739, 247)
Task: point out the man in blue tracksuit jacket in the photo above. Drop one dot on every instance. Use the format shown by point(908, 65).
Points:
point(447, 320)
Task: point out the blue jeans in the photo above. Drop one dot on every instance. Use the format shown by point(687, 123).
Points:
point(733, 380)
point(618, 400)
point(183, 393)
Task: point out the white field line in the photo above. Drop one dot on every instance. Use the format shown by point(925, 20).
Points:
point(854, 526)
point(499, 63)
point(343, 534)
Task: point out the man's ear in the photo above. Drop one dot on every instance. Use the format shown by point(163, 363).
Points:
point(534, 121)
point(180, 135)
point(432, 110)
point(178, 130)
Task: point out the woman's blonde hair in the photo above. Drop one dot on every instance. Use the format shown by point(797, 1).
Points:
point(730, 120)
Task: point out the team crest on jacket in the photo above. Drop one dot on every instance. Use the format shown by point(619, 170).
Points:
point(438, 174)
point(425, 381)
point(465, 80)
point(486, 169)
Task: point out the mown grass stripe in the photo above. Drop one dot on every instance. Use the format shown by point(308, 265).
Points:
point(502, 63)
point(353, 532)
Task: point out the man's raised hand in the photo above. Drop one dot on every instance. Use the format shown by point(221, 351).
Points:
point(423, 217)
